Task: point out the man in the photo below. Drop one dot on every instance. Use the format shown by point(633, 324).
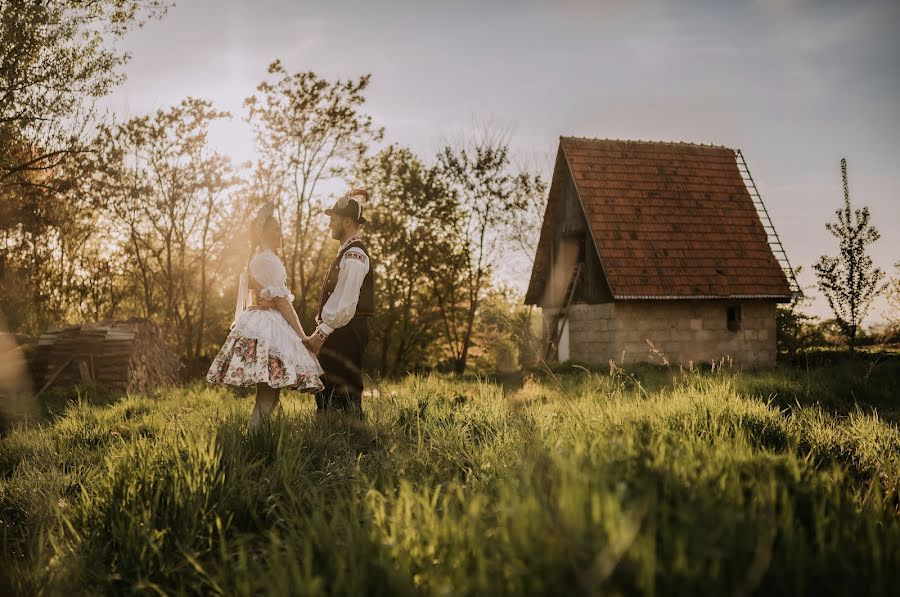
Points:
point(345, 306)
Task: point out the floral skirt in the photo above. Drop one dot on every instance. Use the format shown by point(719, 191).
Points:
point(262, 348)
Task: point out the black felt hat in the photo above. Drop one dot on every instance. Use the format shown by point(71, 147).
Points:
point(350, 205)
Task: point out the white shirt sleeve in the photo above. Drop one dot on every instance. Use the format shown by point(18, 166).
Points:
point(340, 307)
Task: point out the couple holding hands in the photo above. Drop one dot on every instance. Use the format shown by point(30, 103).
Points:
point(267, 346)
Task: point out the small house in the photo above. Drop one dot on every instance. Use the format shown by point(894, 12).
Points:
point(657, 252)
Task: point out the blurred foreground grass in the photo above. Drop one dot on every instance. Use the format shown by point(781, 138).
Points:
point(644, 481)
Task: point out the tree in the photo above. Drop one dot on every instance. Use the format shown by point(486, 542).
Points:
point(216, 179)
point(849, 280)
point(504, 340)
point(794, 329)
point(407, 236)
point(50, 223)
point(892, 316)
point(56, 58)
point(492, 195)
point(162, 189)
point(524, 236)
point(308, 130)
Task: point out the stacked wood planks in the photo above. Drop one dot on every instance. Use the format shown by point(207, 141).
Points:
point(127, 356)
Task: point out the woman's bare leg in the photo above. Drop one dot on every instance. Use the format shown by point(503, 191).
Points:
point(266, 401)
point(276, 398)
point(255, 416)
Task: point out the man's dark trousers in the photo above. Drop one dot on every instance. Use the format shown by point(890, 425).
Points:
point(342, 359)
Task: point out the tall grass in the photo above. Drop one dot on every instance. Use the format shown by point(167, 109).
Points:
point(630, 482)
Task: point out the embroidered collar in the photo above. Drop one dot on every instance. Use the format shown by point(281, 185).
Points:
point(349, 241)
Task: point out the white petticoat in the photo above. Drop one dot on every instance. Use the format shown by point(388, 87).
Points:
point(262, 348)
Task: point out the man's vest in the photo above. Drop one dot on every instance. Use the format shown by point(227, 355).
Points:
point(366, 305)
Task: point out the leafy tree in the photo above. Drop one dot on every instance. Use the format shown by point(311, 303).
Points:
point(794, 329)
point(56, 58)
point(407, 234)
point(308, 130)
point(505, 340)
point(892, 316)
point(162, 189)
point(50, 224)
point(849, 280)
point(828, 332)
point(492, 195)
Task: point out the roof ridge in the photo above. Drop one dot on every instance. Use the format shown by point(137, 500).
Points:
point(648, 142)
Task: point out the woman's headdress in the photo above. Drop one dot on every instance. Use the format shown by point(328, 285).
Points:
point(262, 216)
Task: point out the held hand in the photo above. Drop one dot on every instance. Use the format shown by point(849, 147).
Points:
point(314, 344)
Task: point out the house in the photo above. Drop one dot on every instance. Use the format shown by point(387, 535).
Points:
point(653, 251)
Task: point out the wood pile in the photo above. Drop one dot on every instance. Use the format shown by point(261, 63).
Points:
point(127, 356)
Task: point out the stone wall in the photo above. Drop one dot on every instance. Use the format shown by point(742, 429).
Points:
point(681, 331)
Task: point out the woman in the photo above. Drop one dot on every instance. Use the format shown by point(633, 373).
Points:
point(265, 346)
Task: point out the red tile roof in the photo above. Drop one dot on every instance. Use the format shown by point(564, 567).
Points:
point(669, 220)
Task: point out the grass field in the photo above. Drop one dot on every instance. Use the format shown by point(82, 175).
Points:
point(645, 481)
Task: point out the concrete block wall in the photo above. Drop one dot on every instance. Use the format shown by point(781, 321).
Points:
point(696, 331)
point(682, 331)
point(591, 331)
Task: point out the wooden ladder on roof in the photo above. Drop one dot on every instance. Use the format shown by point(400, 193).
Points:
point(771, 235)
point(559, 320)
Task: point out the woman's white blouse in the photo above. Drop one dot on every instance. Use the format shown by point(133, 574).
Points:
point(268, 271)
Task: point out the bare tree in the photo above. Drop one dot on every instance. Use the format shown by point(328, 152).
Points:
point(525, 233)
point(216, 179)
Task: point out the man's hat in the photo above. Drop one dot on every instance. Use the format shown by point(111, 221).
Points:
point(350, 205)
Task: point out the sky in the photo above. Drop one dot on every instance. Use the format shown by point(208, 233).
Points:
point(796, 85)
